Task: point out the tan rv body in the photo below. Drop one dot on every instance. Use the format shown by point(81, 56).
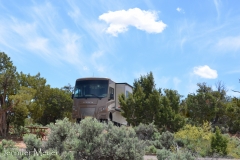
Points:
point(98, 98)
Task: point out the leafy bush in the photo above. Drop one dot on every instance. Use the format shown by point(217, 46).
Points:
point(94, 140)
point(59, 133)
point(20, 130)
point(196, 139)
point(167, 139)
point(51, 154)
point(152, 137)
point(233, 147)
point(32, 142)
point(7, 150)
point(145, 132)
point(182, 155)
point(8, 156)
point(165, 154)
point(7, 144)
point(219, 143)
point(67, 155)
point(121, 143)
point(151, 150)
point(88, 141)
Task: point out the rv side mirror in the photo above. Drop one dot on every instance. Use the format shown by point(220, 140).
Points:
point(72, 96)
point(111, 96)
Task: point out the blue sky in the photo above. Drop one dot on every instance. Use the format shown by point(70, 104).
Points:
point(182, 42)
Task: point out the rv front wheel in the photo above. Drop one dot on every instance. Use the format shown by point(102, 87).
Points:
point(110, 116)
point(78, 120)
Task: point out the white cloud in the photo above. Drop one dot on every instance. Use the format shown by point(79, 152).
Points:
point(205, 72)
point(38, 44)
point(96, 57)
point(229, 44)
point(234, 72)
point(143, 20)
point(217, 4)
point(180, 10)
point(71, 47)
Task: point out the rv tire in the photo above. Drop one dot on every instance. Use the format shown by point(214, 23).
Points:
point(78, 120)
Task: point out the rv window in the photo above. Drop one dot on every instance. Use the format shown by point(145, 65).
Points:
point(77, 92)
point(111, 93)
point(91, 89)
point(127, 94)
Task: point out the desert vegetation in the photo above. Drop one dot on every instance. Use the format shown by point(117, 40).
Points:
point(162, 122)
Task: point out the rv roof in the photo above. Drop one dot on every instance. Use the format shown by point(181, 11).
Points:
point(100, 78)
point(93, 78)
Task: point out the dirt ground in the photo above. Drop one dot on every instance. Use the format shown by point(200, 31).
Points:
point(19, 141)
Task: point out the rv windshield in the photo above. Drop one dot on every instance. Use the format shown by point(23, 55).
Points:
point(91, 89)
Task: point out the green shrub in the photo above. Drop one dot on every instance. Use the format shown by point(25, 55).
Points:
point(8, 157)
point(95, 140)
point(196, 139)
point(7, 144)
point(121, 143)
point(219, 143)
point(32, 142)
point(20, 130)
point(67, 155)
point(233, 147)
point(152, 137)
point(145, 132)
point(58, 134)
point(89, 144)
point(50, 154)
point(167, 139)
point(8, 150)
point(182, 155)
point(151, 150)
point(165, 154)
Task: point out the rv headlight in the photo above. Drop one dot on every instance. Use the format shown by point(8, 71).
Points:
point(102, 108)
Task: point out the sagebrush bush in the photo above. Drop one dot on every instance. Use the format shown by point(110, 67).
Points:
point(165, 154)
point(88, 142)
point(121, 143)
point(8, 150)
point(32, 142)
point(94, 140)
point(151, 150)
point(67, 155)
point(51, 154)
point(167, 139)
point(58, 134)
point(152, 137)
point(7, 144)
point(145, 132)
point(8, 157)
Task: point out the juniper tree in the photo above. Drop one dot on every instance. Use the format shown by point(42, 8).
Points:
point(147, 104)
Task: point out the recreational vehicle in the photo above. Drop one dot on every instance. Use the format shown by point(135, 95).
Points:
point(98, 98)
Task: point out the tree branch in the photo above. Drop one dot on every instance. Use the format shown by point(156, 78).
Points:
point(236, 91)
